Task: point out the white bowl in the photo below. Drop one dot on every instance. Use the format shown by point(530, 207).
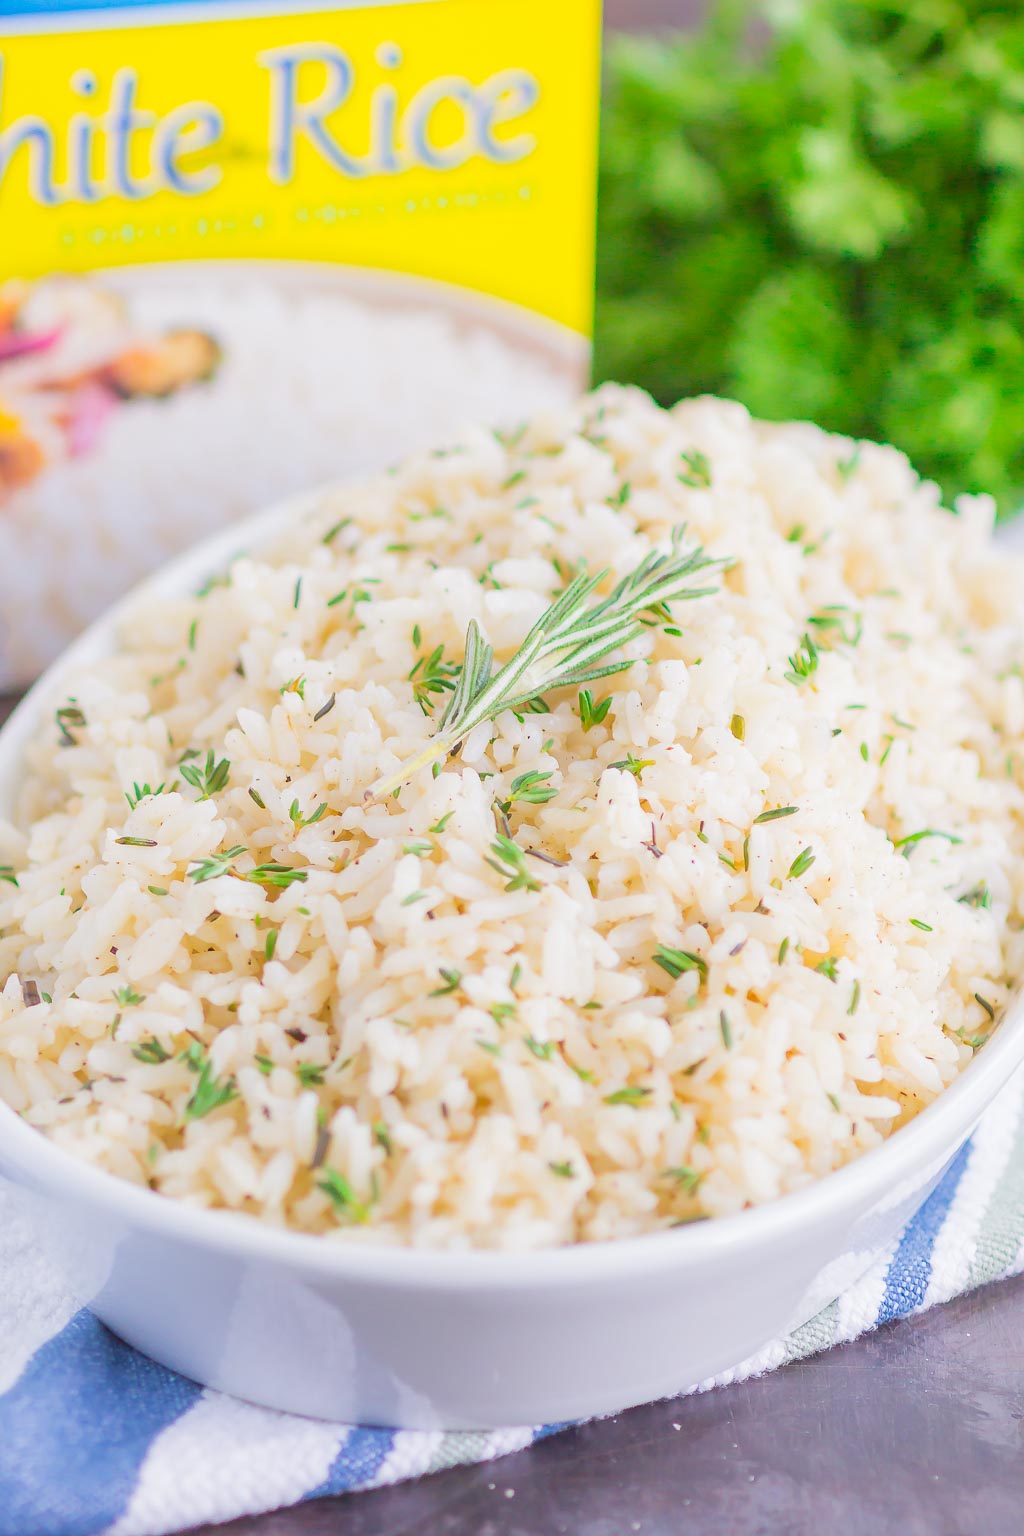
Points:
point(427, 1340)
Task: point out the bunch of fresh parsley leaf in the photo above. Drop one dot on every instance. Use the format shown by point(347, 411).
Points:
point(817, 207)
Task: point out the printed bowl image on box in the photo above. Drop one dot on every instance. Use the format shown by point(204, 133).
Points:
point(244, 250)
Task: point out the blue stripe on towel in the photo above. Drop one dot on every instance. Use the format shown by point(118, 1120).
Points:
point(911, 1266)
point(358, 1460)
point(75, 1429)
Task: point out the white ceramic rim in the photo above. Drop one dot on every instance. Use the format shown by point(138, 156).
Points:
point(926, 1136)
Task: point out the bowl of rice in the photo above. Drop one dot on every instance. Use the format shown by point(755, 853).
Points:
point(501, 941)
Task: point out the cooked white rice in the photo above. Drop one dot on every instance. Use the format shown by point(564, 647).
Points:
point(512, 1068)
point(312, 386)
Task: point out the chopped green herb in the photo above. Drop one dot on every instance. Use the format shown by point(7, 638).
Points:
point(339, 1191)
point(382, 1136)
point(299, 821)
point(413, 897)
point(592, 714)
point(854, 999)
point(270, 944)
point(151, 1052)
point(325, 709)
point(633, 1096)
point(309, 1075)
point(801, 864)
point(531, 789)
point(332, 533)
point(279, 875)
point(452, 981)
point(265, 1065)
point(978, 896)
point(420, 849)
point(726, 1028)
point(562, 1170)
point(738, 726)
point(910, 842)
point(783, 950)
point(776, 815)
point(156, 890)
point(69, 719)
point(7, 874)
point(634, 765)
point(688, 1178)
point(136, 842)
point(984, 1003)
point(217, 864)
point(139, 792)
point(915, 922)
point(833, 1099)
point(433, 675)
point(210, 1091)
point(698, 470)
point(542, 1049)
point(192, 634)
point(208, 777)
point(828, 967)
point(127, 997)
point(257, 799)
point(510, 862)
point(677, 961)
point(803, 663)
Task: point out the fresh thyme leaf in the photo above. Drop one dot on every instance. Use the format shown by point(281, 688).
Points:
point(217, 864)
point(568, 646)
point(339, 1191)
point(69, 719)
point(270, 944)
point(910, 842)
point(542, 1049)
point(209, 777)
point(433, 675)
point(127, 997)
point(265, 1065)
point(915, 922)
point(7, 874)
point(726, 1028)
point(279, 875)
point(151, 1052)
point(677, 961)
point(257, 798)
point(140, 792)
point(634, 765)
point(698, 470)
point(325, 709)
point(776, 815)
point(531, 789)
point(563, 1170)
point(803, 663)
point(801, 864)
point(299, 821)
point(687, 1177)
point(309, 1075)
point(510, 862)
point(211, 1092)
point(854, 999)
point(978, 896)
point(420, 849)
point(592, 714)
point(136, 842)
point(452, 981)
point(828, 967)
point(440, 825)
point(984, 1003)
point(633, 1096)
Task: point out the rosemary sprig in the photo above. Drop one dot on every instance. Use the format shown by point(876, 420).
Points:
point(566, 647)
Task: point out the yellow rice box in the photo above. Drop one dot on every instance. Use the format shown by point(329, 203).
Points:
point(246, 248)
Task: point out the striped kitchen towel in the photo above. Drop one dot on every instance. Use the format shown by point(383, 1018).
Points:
point(95, 1438)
